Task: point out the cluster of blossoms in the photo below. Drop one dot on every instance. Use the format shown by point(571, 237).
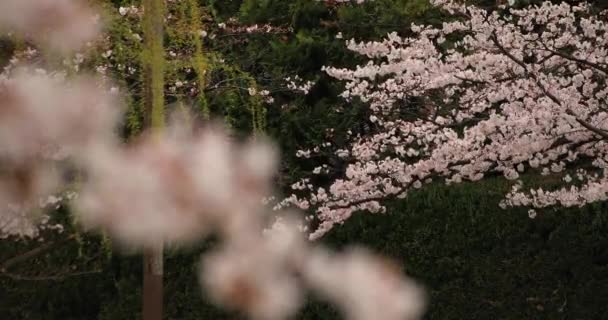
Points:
point(40, 131)
point(130, 11)
point(298, 84)
point(264, 274)
point(59, 24)
point(232, 26)
point(263, 94)
point(334, 2)
point(16, 220)
point(489, 92)
point(178, 185)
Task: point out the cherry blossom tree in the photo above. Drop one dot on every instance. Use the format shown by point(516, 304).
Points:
point(488, 92)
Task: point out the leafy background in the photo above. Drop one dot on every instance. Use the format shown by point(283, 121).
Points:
point(475, 260)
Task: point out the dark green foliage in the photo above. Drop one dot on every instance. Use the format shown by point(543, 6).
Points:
point(6, 50)
point(66, 279)
point(480, 262)
point(475, 260)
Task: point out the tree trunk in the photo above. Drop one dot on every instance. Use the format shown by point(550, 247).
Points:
point(153, 61)
point(152, 298)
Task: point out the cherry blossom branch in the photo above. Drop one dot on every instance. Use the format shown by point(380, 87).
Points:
point(600, 132)
point(577, 60)
point(7, 264)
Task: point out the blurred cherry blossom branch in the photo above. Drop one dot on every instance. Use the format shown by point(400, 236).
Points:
point(176, 186)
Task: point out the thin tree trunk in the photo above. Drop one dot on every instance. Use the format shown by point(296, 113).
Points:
point(152, 298)
point(153, 61)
